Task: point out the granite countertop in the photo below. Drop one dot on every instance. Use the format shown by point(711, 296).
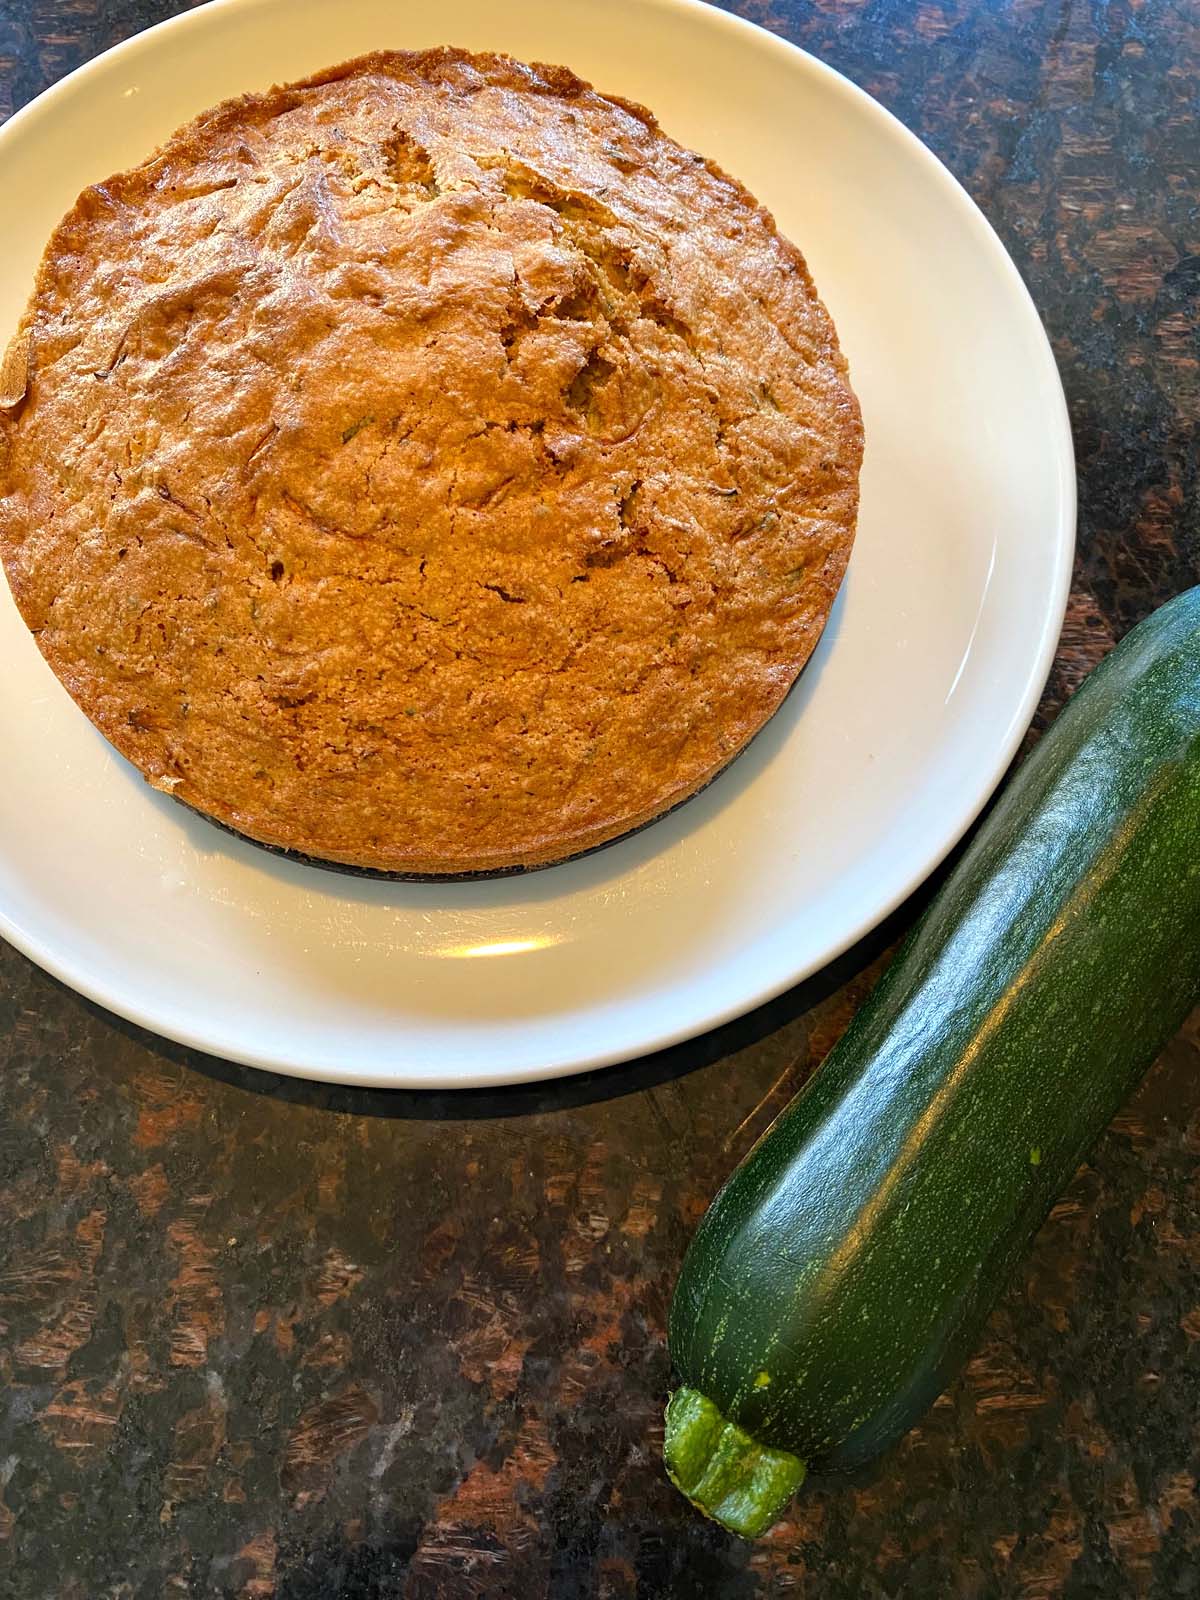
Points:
point(260, 1338)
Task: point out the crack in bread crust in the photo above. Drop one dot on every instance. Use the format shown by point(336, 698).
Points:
point(429, 467)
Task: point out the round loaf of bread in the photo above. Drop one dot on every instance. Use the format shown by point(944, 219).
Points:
point(430, 467)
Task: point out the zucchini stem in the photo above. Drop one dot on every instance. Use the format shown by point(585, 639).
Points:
point(725, 1473)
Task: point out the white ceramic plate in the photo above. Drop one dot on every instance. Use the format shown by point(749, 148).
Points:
point(902, 725)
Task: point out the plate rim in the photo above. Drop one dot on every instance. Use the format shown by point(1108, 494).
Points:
point(76, 976)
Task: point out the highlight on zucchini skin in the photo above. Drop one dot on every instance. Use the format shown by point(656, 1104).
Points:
point(842, 1275)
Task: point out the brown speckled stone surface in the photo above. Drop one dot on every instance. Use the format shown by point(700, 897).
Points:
point(264, 1339)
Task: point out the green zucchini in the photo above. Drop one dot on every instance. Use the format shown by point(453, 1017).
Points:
point(840, 1278)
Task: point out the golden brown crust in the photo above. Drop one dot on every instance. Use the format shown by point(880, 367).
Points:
point(428, 467)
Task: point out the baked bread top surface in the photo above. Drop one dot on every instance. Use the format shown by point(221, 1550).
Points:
point(430, 467)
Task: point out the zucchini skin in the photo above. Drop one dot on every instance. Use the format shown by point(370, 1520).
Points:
point(842, 1275)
